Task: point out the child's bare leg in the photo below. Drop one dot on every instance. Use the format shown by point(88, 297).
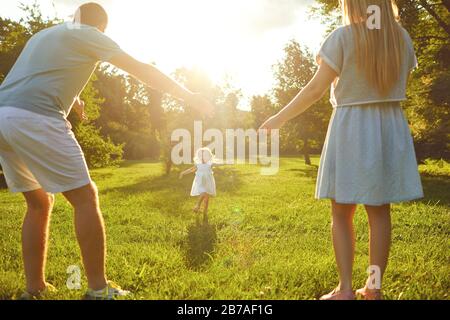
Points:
point(205, 210)
point(199, 203)
point(380, 239)
point(344, 242)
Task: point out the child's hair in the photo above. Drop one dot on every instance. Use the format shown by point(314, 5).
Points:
point(378, 51)
point(204, 155)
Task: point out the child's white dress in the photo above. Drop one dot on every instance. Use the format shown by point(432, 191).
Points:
point(204, 180)
point(368, 156)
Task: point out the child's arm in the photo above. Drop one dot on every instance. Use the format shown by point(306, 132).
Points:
point(188, 171)
point(218, 164)
point(310, 94)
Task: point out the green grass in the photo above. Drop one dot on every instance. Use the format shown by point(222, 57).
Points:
point(266, 237)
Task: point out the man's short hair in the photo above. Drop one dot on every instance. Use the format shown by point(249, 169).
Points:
point(92, 14)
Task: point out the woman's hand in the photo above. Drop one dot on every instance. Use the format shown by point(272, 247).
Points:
point(273, 123)
point(181, 176)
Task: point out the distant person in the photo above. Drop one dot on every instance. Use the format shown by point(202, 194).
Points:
point(204, 185)
point(38, 151)
point(368, 157)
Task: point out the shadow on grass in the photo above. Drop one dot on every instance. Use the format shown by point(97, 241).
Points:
point(131, 163)
point(308, 171)
point(227, 180)
point(201, 241)
point(436, 190)
point(171, 193)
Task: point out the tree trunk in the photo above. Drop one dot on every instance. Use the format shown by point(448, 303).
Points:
point(446, 4)
point(2, 181)
point(168, 166)
point(167, 152)
point(306, 151)
point(435, 15)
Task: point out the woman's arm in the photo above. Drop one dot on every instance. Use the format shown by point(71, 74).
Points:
point(188, 171)
point(310, 94)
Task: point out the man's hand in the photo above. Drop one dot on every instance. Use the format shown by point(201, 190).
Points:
point(272, 123)
point(78, 107)
point(198, 102)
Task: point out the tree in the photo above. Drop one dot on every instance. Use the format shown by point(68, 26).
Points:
point(262, 107)
point(99, 151)
point(15, 34)
point(126, 114)
point(293, 73)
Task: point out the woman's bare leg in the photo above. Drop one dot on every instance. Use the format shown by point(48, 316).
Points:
point(344, 242)
point(380, 241)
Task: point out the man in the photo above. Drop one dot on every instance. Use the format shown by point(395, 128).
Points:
point(38, 151)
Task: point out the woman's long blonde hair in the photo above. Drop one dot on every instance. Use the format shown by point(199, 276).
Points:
point(378, 51)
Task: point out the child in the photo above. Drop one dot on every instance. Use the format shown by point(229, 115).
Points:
point(204, 184)
point(368, 156)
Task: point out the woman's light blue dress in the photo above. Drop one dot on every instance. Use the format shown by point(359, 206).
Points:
point(368, 156)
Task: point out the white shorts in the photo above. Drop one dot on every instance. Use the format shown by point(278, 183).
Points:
point(40, 152)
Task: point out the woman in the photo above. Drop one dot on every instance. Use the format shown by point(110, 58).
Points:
point(368, 157)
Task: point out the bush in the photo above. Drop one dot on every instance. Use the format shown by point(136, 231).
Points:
point(435, 168)
point(99, 151)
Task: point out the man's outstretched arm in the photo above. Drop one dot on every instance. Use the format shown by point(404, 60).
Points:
point(154, 78)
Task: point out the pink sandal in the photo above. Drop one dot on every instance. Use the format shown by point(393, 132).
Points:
point(369, 294)
point(339, 295)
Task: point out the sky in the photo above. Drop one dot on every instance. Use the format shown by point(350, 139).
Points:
point(239, 40)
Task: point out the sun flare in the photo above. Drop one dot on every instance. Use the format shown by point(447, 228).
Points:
point(225, 39)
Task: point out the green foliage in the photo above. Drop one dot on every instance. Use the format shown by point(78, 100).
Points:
point(127, 115)
point(15, 34)
point(99, 152)
point(178, 115)
point(433, 167)
point(262, 107)
point(306, 133)
point(293, 74)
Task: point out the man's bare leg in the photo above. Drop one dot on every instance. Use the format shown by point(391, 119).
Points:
point(90, 232)
point(35, 230)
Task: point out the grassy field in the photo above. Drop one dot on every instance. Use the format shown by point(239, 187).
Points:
point(266, 237)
